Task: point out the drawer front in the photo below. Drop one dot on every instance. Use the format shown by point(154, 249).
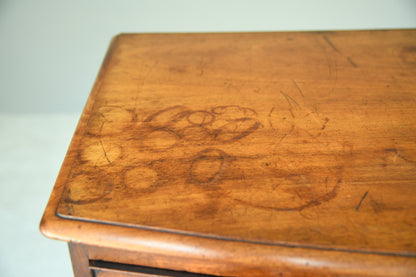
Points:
point(108, 269)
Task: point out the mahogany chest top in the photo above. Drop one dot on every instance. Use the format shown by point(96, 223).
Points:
point(290, 150)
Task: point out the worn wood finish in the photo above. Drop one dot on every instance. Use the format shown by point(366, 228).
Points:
point(295, 151)
point(79, 259)
point(227, 258)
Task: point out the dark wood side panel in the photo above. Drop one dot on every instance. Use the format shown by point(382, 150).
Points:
point(79, 259)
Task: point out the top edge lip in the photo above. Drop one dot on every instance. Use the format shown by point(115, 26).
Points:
point(213, 250)
point(253, 32)
point(62, 219)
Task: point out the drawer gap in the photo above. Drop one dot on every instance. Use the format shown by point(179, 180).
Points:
point(104, 265)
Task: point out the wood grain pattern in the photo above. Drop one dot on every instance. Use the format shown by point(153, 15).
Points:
point(295, 139)
point(79, 259)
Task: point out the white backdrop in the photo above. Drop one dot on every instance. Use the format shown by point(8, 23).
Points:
point(50, 53)
point(50, 50)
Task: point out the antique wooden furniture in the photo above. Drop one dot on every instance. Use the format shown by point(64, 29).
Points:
point(244, 154)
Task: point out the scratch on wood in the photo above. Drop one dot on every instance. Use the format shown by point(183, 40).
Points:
point(351, 62)
point(288, 99)
point(291, 112)
point(326, 184)
point(102, 115)
point(324, 125)
point(361, 201)
point(101, 127)
point(330, 44)
point(313, 136)
point(298, 194)
point(286, 134)
point(296, 85)
point(271, 111)
point(271, 125)
point(105, 153)
point(283, 137)
point(399, 155)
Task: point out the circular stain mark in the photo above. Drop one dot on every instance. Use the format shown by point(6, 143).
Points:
point(195, 133)
point(291, 188)
point(159, 140)
point(207, 167)
point(99, 152)
point(85, 189)
point(140, 178)
point(200, 118)
point(109, 120)
point(234, 111)
point(167, 116)
point(236, 129)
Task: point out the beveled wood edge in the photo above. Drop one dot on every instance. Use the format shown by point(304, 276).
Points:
point(49, 215)
point(216, 251)
point(227, 238)
point(198, 247)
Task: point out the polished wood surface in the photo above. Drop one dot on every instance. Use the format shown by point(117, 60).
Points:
point(292, 150)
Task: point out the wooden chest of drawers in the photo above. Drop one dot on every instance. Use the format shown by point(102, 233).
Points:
point(244, 154)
